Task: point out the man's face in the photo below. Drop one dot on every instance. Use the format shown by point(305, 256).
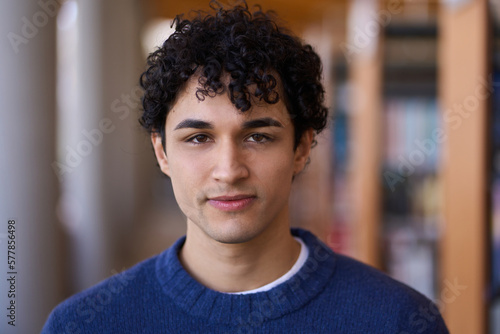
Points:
point(231, 172)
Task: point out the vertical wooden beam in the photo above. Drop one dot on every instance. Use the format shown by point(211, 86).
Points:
point(311, 197)
point(365, 75)
point(464, 92)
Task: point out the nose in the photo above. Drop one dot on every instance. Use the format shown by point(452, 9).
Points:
point(230, 163)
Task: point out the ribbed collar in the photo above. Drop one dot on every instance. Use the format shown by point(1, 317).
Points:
point(200, 301)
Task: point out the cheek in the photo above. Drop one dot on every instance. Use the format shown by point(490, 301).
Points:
point(276, 171)
point(185, 176)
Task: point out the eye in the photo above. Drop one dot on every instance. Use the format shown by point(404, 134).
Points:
point(258, 138)
point(198, 139)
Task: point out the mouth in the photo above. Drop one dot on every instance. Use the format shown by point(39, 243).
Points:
point(231, 203)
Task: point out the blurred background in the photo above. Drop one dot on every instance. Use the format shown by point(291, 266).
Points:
point(407, 177)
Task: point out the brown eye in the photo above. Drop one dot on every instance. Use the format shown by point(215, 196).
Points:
point(258, 138)
point(199, 139)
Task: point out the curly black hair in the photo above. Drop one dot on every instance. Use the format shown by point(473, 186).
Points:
point(251, 49)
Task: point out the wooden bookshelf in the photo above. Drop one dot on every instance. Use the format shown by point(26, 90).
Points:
point(462, 68)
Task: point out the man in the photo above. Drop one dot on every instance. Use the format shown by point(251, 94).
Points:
point(233, 102)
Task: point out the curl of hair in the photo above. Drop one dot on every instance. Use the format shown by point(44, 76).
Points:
point(251, 48)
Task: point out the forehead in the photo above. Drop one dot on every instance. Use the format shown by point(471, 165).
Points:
point(211, 108)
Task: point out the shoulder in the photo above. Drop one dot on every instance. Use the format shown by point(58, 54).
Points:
point(358, 291)
point(87, 308)
point(350, 276)
point(382, 298)
point(355, 276)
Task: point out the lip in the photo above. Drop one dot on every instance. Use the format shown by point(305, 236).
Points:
point(231, 203)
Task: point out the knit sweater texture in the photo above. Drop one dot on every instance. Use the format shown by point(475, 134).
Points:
point(331, 293)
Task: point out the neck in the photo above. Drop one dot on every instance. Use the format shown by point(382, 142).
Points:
point(241, 266)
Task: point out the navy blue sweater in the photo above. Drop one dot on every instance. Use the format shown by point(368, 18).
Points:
point(330, 294)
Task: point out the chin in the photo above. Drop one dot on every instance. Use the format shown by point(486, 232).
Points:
point(233, 235)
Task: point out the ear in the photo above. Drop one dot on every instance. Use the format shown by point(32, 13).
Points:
point(161, 156)
point(303, 150)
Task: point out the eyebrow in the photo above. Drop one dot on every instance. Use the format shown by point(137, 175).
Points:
point(194, 124)
point(261, 123)
point(252, 124)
